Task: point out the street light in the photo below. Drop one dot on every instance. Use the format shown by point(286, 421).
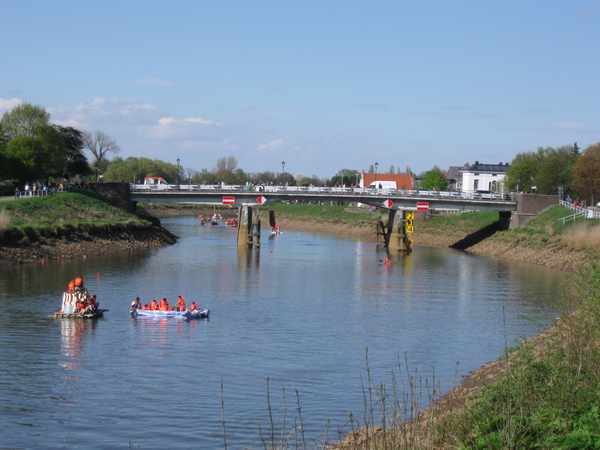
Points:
point(282, 170)
point(178, 173)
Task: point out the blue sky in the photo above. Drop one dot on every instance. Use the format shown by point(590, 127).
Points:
point(322, 85)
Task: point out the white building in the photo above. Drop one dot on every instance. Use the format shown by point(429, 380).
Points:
point(484, 177)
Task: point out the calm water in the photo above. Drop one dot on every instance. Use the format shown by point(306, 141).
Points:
point(301, 312)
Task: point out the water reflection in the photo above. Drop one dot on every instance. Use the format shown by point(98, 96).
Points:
point(73, 332)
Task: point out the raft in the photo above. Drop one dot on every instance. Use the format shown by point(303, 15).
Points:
point(69, 309)
point(94, 315)
point(201, 314)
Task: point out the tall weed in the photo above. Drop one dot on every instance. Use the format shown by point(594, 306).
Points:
point(5, 220)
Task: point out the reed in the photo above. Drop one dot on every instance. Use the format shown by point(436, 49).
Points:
point(584, 235)
point(4, 219)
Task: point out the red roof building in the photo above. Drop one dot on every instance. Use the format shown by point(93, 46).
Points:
point(403, 181)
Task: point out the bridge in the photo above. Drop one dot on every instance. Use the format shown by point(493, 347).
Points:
point(391, 199)
point(395, 230)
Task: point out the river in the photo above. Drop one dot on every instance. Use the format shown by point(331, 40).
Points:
point(301, 312)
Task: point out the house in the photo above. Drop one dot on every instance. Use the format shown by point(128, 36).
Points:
point(484, 177)
point(403, 181)
point(454, 176)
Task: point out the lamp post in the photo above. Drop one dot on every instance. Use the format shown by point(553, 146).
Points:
point(376, 165)
point(282, 170)
point(178, 173)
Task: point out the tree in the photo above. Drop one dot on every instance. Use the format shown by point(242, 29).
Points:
point(21, 160)
point(555, 169)
point(586, 172)
point(344, 177)
point(24, 120)
point(521, 173)
point(224, 169)
point(434, 180)
point(100, 144)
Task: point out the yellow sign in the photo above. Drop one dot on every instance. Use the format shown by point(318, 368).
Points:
point(410, 218)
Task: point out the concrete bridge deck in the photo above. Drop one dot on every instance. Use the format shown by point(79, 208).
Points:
point(384, 198)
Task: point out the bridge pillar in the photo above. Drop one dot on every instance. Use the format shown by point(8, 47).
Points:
point(396, 232)
point(248, 228)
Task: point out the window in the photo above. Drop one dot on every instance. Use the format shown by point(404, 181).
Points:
point(476, 184)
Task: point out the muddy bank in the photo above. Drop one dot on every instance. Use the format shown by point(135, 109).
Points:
point(493, 247)
point(88, 242)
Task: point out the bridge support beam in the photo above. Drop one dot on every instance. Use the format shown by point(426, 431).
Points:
point(248, 228)
point(396, 231)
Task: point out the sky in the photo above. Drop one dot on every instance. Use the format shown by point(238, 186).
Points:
point(321, 85)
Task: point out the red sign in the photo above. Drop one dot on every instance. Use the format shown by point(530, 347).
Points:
point(388, 203)
point(422, 206)
point(261, 200)
point(229, 200)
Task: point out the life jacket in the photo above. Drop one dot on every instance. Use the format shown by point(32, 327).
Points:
point(164, 307)
point(78, 282)
point(71, 287)
point(193, 306)
point(153, 305)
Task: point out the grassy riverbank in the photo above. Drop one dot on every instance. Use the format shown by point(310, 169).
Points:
point(70, 225)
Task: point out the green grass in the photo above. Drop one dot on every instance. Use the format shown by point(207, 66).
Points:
point(43, 220)
point(85, 206)
point(323, 213)
point(466, 222)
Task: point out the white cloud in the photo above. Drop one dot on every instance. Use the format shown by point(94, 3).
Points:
point(170, 127)
point(277, 144)
point(8, 104)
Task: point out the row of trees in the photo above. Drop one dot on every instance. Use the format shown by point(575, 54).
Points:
point(34, 150)
point(226, 170)
point(551, 171)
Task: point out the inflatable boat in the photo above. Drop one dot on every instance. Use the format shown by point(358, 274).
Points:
point(200, 314)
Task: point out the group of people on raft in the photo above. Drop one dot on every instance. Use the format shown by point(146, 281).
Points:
point(163, 305)
point(88, 303)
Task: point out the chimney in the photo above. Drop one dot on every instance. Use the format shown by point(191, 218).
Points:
point(476, 162)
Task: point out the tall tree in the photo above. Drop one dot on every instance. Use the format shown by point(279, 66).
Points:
point(555, 168)
point(100, 144)
point(24, 120)
point(21, 160)
point(225, 168)
point(434, 180)
point(521, 173)
point(586, 173)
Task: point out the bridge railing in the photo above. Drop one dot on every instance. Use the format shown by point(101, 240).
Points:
point(316, 190)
